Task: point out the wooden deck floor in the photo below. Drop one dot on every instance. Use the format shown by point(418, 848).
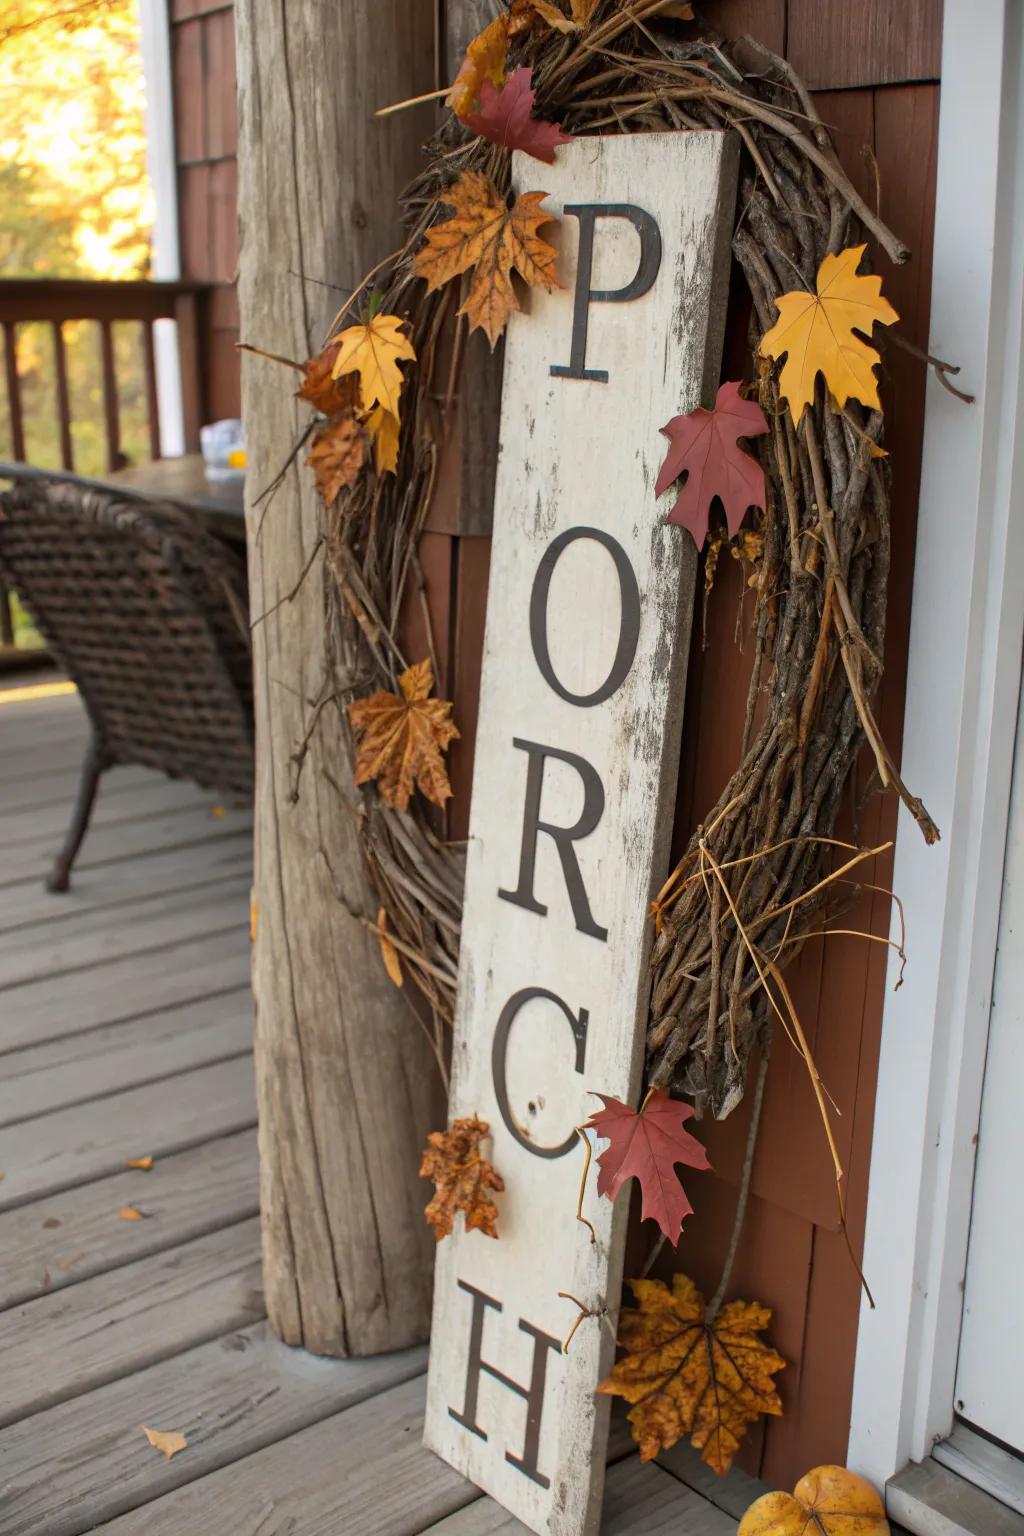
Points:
point(125, 1032)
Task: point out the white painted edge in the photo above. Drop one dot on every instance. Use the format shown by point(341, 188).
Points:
point(155, 36)
point(964, 672)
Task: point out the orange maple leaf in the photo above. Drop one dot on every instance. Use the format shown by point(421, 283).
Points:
point(463, 1178)
point(328, 394)
point(831, 1501)
point(687, 1376)
point(816, 333)
point(487, 56)
point(388, 952)
point(337, 455)
point(402, 738)
point(490, 239)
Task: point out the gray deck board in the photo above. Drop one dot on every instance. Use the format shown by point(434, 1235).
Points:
point(188, 826)
point(152, 795)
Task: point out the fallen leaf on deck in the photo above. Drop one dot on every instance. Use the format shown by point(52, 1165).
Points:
point(337, 455)
point(145, 1163)
point(65, 1264)
point(686, 1376)
point(816, 333)
point(169, 1441)
point(402, 738)
point(374, 351)
point(129, 1213)
point(388, 952)
point(51, 1221)
point(505, 118)
point(705, 445)
point(646, 1147)
point(217, 810)
point(830, 1501)
point(490, 239)
point(463, 1178)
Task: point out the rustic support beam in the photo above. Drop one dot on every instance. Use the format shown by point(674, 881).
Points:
point(347, 1087)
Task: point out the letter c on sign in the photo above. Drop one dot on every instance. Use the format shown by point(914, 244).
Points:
point(629, 619)
point(499, 1058)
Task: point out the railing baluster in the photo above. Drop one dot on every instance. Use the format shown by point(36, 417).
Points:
point(152, 399)
point(60, 362)
point(111, 416)
point(14, 390)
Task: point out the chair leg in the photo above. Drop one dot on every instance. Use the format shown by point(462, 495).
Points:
point(93, 765)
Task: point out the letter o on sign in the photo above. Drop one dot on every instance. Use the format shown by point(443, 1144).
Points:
point(629, 621)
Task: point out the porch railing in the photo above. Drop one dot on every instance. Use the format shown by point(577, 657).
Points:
point(52, 303)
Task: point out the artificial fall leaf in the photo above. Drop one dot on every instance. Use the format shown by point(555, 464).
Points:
point(505, 118)
point(705, 444)
point(486, 236)
point(485, 60)
point(143, 1163)
point(51, 1222)
point(402, 738)
point(129, 1213)
point(463, 1179)
point(647, 1146)
point(388, 952)
point(830, 1501)
point(816, 332)
point(321, 389)
point(686, 1376)
point(374, 351)
point(383, 430)
point(169, 1441)
point(337, 455)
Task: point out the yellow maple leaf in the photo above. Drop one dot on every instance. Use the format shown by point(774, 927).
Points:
point(485, 60)
point(686, 1376)
point(169, 1441)
point(831, 1501)
point(388, 952)
point(816, 332)
point(383, 430)
point(463, 1179)
point(490, 239)
point(337, 454)
point(374, 351)
point(402, 738)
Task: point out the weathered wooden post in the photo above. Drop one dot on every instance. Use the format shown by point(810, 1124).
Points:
point(346, 1084)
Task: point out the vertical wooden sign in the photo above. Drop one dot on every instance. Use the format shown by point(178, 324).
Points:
point(588, 625)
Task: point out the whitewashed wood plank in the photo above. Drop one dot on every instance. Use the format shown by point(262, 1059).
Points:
point(57, 1347)
point(58, 788)
point(117, 887)
point(86, 939)
point(99, 1062)
point(89, 1141)
point(128, 988)
point(153, 796)
point(364, 1472)
point(68, 1469)
point(191, 827)
point(62, 1239)
point(734, 1493)
point(588, 620)
point(639, 1501)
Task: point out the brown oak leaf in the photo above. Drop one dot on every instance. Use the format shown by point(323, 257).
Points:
point(337, 455)
point(402, 738)
point(486, 237)
point(319, 387)
point(463, 1179)
point(687, 1376)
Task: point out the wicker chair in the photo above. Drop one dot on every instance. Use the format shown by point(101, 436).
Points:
point(148, 615)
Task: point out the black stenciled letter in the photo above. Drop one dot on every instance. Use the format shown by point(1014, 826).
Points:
point(646, 227)
point(499, 1057)
point(564, 837)
point(533, 1395)
point(629, 620)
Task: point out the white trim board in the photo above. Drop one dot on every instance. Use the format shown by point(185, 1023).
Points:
point(964, 671)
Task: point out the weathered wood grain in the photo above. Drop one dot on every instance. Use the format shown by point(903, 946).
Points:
point(347, 1088)
point(42, 1078)
point(60, 1240)
point(364, 1472)
point(129, 988)
point(833, 44)
point(84, 1462)
point(89, 1141)
point(98, 1331)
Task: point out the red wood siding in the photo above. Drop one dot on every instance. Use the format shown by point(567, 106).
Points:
point(206, 142)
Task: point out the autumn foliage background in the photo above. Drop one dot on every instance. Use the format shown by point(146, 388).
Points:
point(75, 201)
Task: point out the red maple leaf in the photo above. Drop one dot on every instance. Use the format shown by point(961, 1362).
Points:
point(504, 118)
point(705, 445)
point(647, 1146)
